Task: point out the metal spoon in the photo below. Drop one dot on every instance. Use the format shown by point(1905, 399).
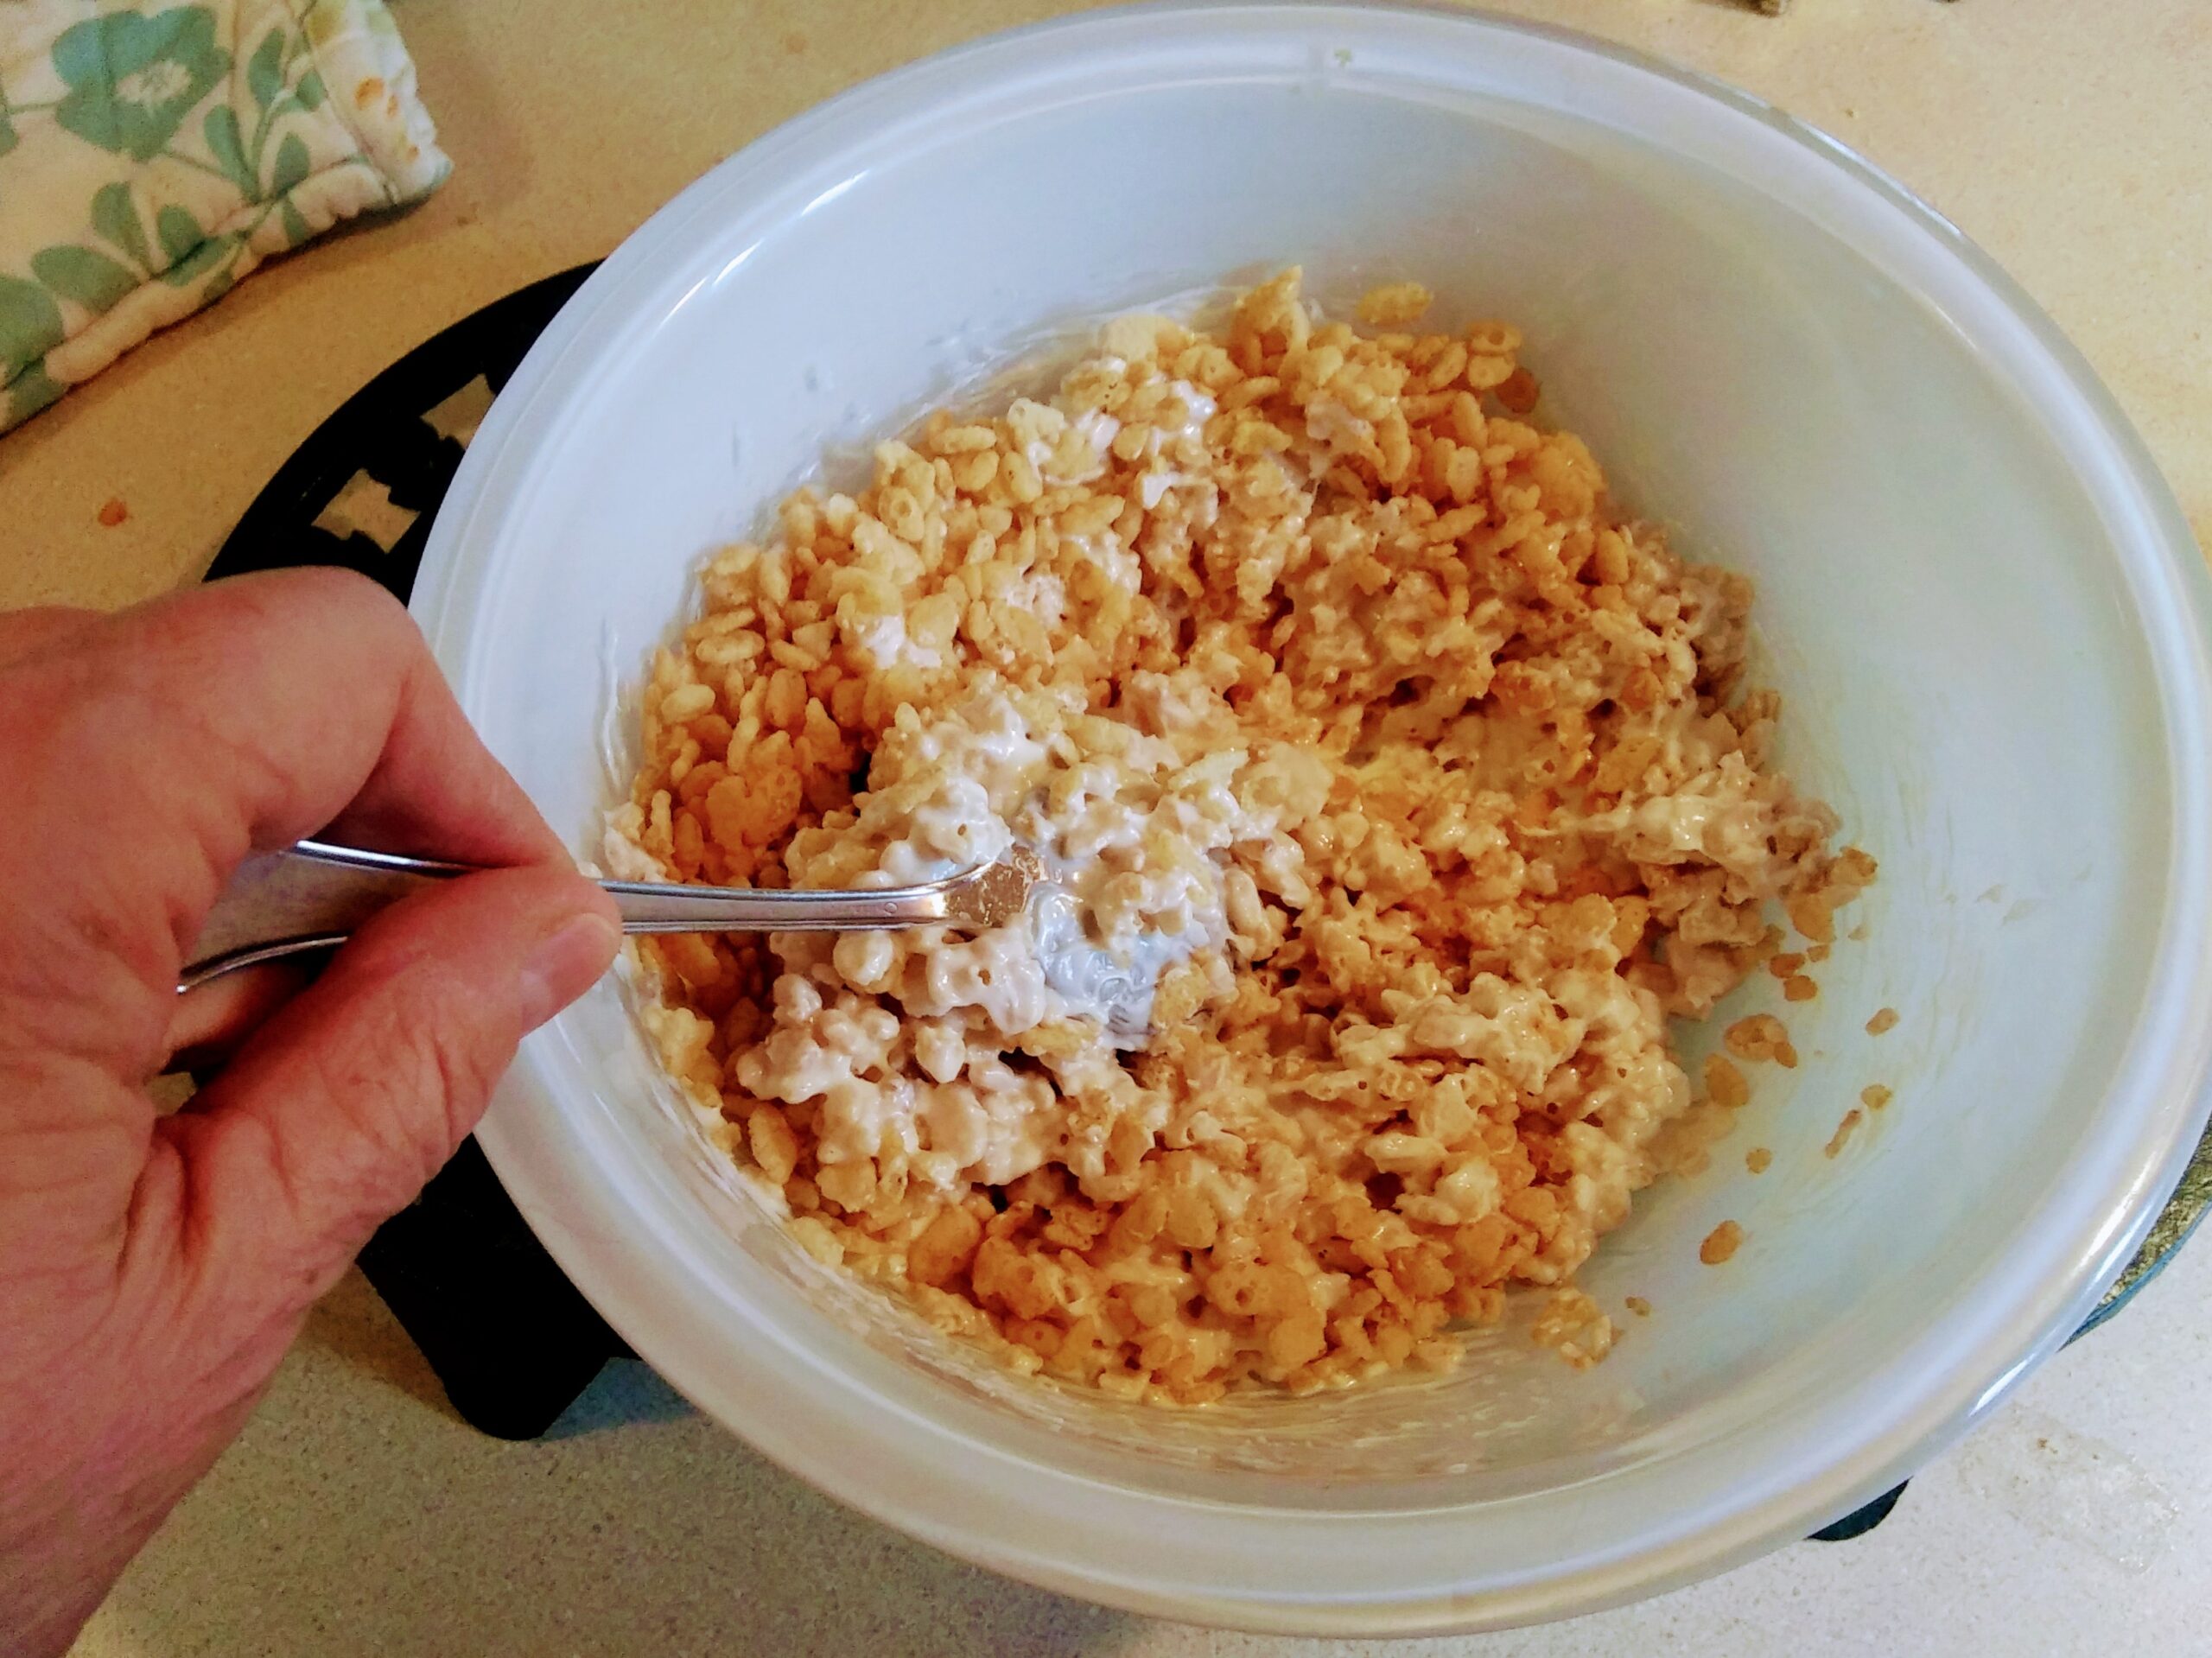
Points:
point(310, 895)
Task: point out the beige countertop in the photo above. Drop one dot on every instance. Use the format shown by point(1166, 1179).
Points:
point(357, 1515)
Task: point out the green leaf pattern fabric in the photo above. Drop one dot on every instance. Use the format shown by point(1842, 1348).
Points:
point(133, 78)
point(115, 216)
point(152, 155)
point(85, 275)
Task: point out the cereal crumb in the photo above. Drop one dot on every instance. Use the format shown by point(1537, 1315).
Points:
point(1519, 392)
point(1720, 1244)
point(1724, 1082)
point(1393, 304)
point(1819, 953)
point(1798, 987)
point(1759, 1037)
point(1573, 1326)
point(1639, 1305)
point(1758, 1159)
point(1875, 1097)
point(1885, 1019)
point(1787, 964)
point(1843, 1130)
point(113, 512)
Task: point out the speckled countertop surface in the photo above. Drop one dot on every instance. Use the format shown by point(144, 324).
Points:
point(358, 1515)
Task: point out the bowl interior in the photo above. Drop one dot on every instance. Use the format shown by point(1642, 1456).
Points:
point(1758, 353)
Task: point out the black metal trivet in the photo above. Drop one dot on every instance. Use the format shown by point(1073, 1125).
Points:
point(511, 1338)
point(513, 1341)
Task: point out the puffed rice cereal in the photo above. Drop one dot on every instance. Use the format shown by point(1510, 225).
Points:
point(1396, 791)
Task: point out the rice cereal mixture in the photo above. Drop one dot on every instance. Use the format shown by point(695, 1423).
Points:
point(1394, 793)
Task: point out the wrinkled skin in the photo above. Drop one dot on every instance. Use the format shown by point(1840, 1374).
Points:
point(154, 1269)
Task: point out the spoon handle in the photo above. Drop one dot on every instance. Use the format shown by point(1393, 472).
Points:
point(311, 896)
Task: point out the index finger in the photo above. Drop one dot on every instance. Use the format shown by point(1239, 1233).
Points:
point(250, 713)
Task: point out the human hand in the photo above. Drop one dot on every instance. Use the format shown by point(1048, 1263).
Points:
point(154, 1269)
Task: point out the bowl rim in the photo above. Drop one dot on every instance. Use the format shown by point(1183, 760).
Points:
point(546, 1164)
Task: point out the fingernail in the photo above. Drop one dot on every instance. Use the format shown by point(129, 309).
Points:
point(566, 964)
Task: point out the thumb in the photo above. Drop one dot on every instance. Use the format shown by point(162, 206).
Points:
point(333, 1117)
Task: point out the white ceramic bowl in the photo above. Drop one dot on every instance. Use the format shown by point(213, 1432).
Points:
point(1984, 608)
